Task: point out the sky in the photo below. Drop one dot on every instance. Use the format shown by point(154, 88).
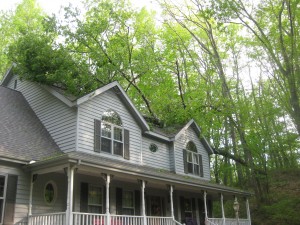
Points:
point(53, 6)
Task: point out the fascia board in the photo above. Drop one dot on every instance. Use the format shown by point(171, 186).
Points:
point(59, 96)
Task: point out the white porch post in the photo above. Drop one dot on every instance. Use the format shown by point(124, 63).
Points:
point(205, 208)
point(107, 181)
point(223, 212)
point(143, 184)
point(69, 211)
point(33, 177)
point(248, 211)
point(171, 200)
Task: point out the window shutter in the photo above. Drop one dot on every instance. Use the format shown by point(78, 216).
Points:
point(137, 200)
point(194, 209)
point(126, 144)
point(182, 211)
point(201, 166)
point(185, 165)
point(11, 191)
point(104, 199)
point(97, 135)
point(84, 192)
point(119, 203)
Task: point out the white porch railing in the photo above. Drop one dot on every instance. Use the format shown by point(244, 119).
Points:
point(152, 220)
point(100, 219)
point(228, 221)
point(48, 219)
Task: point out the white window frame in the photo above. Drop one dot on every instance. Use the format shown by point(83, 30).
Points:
point(195, 155)
point(112, 140)
point(133, 201)
point(91, 204)
point(3, 197)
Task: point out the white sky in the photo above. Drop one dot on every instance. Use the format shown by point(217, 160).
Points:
point(53, 6)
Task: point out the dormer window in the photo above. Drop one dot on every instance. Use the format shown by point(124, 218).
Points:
point(110, 136)
point(111, 133)
point(192, 160)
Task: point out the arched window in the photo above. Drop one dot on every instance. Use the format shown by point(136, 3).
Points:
point(112, 133)
point(192, 160)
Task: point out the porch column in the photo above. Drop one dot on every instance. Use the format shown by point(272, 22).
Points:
point(143, 184)
point(171, 188)
point(33, 178)
point(205, 208)
point(223, 212)
point(248, 211)
point(107, 182)
point(69, 215)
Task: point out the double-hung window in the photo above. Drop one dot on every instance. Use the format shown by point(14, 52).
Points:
point(110, 135)
point(128, 202)
point(192, 160)
point(94, 199)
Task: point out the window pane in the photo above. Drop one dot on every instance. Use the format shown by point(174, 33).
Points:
point(2, 182)
point(196, 169)
point(112, 117)
point(106, 130)
point(128, 199)
point(191, 146)
point(196, 159)
point(189, 157)
point(127, 211)
point(49, 193)
point(118, 148)
point(95, 195)
point(106, 145)
point(118, 134)
point(190, 167)
point(187, 205)
point(94, 209)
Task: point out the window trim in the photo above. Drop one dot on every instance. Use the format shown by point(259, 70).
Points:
point(54, 190)
point(4, 196)
point(133, 200)
point(112, 138)
point(88, 201)
point(194, 155)
point(112, 134)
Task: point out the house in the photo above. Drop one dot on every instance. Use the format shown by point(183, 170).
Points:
point(95, 160)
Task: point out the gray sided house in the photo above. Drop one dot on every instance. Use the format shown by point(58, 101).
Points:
point(95, 160)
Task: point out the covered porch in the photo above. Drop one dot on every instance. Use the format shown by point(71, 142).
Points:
point(73, 192)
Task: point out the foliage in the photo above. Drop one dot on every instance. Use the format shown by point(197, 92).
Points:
point(199, 63)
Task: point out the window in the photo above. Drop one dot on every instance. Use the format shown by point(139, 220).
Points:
point(50, 192)
point(128, 202)
point(111, 133)
point(2, 196)
point(94, 199)
point(192, 160)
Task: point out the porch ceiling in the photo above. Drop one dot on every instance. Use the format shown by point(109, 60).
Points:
point(94, 165)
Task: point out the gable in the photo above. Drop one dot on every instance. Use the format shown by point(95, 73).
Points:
point(22, 135)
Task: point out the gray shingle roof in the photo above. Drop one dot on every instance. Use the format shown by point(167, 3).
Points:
point(22, 135)
point(150, 172)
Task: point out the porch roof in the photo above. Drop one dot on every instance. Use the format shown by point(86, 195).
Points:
point(114, 166)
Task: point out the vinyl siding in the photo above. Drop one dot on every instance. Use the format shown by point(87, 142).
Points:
point(93, 109)
point(39, 204)
point(160, 158)
point(180, 144)
point(22, 198)
point(58, 118)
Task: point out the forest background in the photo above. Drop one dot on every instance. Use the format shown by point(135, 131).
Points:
point(232, 65)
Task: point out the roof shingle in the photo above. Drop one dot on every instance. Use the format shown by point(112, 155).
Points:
point(22, 136)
